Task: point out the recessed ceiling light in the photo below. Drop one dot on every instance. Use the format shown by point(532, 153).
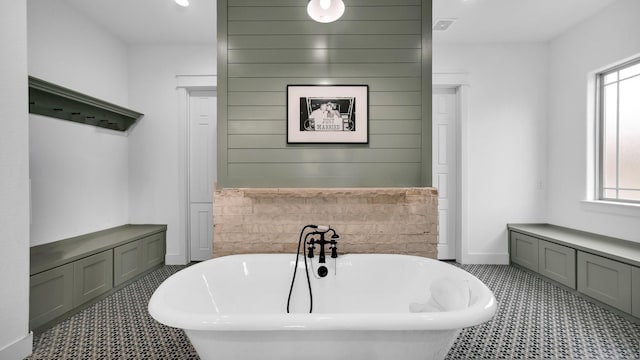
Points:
point(442, 24)
point(183, 3)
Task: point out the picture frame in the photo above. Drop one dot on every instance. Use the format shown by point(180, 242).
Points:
point(328, 114)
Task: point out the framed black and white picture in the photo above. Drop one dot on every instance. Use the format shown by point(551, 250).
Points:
point(328, 114)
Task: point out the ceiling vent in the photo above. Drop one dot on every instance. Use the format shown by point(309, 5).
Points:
point(442, 24)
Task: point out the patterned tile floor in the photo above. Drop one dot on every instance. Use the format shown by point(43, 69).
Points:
point(539, 320)
point(535, 320)
point(117, 327)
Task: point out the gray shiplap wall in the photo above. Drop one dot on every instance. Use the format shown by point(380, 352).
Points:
point(265, 45)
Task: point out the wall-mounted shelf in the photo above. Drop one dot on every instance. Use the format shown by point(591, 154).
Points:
point(59, 102)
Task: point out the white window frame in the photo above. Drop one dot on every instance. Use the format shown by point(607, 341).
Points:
point(599, 129)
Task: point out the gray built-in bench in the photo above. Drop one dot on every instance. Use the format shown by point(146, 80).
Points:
point(603, 268)
point(71, 274)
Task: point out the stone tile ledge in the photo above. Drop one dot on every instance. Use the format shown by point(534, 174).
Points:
point(380, 220)
point(314, 192)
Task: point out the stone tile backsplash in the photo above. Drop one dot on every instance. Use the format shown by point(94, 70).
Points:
point(369, 220)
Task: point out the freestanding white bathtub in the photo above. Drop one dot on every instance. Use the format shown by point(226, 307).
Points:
point(369, 306)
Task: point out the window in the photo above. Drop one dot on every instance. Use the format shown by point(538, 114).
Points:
point(619, 133)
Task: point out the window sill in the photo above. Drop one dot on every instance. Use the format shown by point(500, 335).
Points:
point(610, 207)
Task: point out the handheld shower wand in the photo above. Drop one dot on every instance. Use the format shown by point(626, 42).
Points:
point(321, 228)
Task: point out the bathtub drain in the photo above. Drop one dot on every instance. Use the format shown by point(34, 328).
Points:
point(323, 271)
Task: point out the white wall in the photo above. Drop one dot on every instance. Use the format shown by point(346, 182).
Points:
point(528, 129)
point(15, 340)
point(79, 178)
point(156, 154)
point(79, 173)
point(608, 37)
point(68, 49)
point(505, 140)
point(84, 178)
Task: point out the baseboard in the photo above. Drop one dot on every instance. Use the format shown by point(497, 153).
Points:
point(19, 349)
point(175, 259)
point(485, 258)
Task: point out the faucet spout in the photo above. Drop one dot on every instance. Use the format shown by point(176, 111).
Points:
point(333, 243)
point(322, 243)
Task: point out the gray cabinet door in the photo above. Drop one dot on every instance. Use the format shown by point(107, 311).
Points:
point(606, 280)
point(635, 291)
point(557, 262)
point(153, 249)
point(93, 276)
point(127, 262)
point(50, 295)
point(524, 250)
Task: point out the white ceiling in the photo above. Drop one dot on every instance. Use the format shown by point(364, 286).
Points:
point(162, 21)
point(481, 21)
point(153, 21)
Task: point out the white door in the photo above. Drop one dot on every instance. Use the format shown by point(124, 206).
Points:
point(445, 145)
point(202, 172)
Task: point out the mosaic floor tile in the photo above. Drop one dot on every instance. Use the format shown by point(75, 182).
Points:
point(540, 320)
point(535, 320)
point(117, 327)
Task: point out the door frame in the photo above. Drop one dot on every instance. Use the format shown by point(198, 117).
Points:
point(460, 83)
point(450, 227)
point(185, 84)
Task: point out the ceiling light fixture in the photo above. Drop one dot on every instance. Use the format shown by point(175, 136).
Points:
point(325, 11)
point(183, 3)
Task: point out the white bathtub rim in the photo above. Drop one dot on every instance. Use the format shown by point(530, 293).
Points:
point(324, 322)
point(482, 310)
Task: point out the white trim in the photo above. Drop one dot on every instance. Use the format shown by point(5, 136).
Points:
point(449, 250)
point(460, 82)
point(593, 148)
point(176, 259)
point(450, 79)
point(19, 349)
point(463, 171)
point(592, 137)
point(183, 177)
point(611, 207)
point(486, 258)
point(184, 85)
point(196, 81)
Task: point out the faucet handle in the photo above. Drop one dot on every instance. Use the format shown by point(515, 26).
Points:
point(310, 248)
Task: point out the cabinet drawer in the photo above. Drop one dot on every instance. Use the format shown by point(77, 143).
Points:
point(606, 280)
point(153, 249)
point(557, 262)
point(127, 262)
point(50, 295)
point(93, 276)
point(635, 291)
point(524, 250)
